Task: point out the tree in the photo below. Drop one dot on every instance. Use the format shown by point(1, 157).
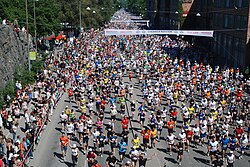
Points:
point(46, 14)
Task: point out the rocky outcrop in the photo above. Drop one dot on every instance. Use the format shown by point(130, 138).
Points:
point(13, 52)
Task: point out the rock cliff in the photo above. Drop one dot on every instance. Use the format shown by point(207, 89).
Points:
point(13, 52)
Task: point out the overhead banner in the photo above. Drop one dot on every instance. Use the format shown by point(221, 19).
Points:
point(129, 21)
point(118, 32)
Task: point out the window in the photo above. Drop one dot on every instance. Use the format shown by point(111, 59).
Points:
point(231, 21)
point(245, 3)
point(243, 22)
point(237, 22)
point(226, 21)
point(238, 3)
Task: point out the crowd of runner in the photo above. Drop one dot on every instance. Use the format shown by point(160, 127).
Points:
point(101, 74)
point(211, 102)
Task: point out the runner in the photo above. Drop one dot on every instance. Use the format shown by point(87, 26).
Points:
point(122, 149)
point(64, 142)
point(75, 154)
point(111, 160)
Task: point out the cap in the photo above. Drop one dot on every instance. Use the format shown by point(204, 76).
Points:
point(128, 162)
point(15, 155)
point(231, 152)
point(74, 145)
point(90, 149)
point(134, 147)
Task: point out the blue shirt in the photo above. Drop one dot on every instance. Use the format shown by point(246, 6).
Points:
point(225, 142)
point(122, 147)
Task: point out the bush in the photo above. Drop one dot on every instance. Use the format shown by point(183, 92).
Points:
point(23, 75)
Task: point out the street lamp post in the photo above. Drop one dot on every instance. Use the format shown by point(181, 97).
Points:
point(80, 15)
point(34, 1)
point(179, 20)
point(27, 31)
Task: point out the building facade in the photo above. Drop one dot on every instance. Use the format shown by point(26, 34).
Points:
point(162, 14)
point(230, 21)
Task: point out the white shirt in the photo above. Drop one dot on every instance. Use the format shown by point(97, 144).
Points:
point(63, 117)
point(69, 128)
point(74, 151)
point(80, 127)
point(171, 139)
point(214, 145)
point(196, 130)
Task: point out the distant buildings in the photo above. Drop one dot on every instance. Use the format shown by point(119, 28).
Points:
point(230, 19)
point(162, 13)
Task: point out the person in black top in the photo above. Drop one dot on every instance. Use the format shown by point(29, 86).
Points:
point(180, 148)
point(132, 107)
point(143, 160)
point(111, 160)
point(101, 142)
point(124, 135)
point(113, 142)
point(110, 130)
point(218, 162)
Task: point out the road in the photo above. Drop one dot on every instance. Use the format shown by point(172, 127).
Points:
point(48, 152)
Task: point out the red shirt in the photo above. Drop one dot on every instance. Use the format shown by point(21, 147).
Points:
point(170, 124)
point(70, 92)
point(190, 134)
point(91, 155)
point(146, 134)
point(238, 132)
point(125, 123)
point(103, 103)
point(174, 113)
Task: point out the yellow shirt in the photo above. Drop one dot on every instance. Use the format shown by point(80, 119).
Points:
point(190, 110)
point(136, 142)
point(153, 133)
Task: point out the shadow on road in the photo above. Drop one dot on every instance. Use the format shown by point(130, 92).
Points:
point(58, 155)
point(58, 129)
point(171, 160)
point(200, 152)
point(201, 160)
point(162, 150)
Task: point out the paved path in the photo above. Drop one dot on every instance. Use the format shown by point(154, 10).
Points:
point(48, 151)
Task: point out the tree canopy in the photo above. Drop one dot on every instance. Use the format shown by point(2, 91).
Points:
point(136, 6)
point(50, 13)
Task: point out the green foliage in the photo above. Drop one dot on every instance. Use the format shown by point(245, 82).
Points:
point(46, 12)
point(70, 12)
point(180, 10)
point(23, 75)
point(137, 6)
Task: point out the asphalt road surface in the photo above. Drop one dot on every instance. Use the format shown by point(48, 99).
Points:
point(48, 152)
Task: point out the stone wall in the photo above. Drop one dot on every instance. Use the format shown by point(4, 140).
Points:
point(13, 52)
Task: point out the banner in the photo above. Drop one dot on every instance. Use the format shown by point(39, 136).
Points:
point(32, 55)
point(158, 32)
point(129, 21)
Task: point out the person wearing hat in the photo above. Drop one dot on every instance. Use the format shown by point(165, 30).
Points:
point(134, 154)
point(122, 148)
point(111, 160)
point(128, 164)
point(143, 159)
point(91, 157)
point(230, 159)
point(218, 162)
point(243, 142)
point(75, 154)
point(213, 148)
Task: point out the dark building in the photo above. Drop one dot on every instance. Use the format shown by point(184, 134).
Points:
point(162, 14)
point(230, 21)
